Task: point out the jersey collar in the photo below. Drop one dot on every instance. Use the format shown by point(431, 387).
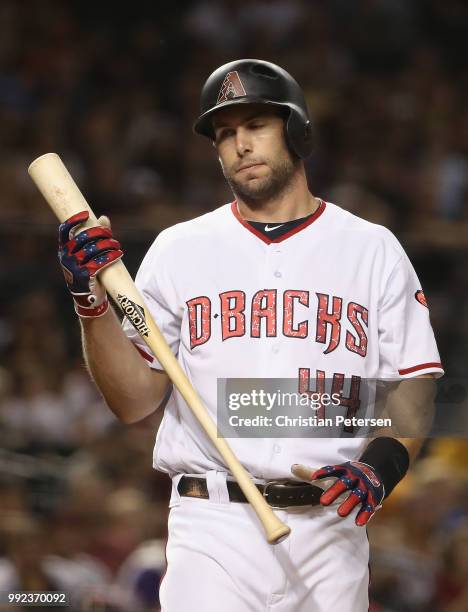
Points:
point(295, 230)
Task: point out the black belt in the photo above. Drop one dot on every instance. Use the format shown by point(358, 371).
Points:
point(277, 493)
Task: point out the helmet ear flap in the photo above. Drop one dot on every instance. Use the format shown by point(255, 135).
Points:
point(299, 133)
point(309, 137)
point(308, 132)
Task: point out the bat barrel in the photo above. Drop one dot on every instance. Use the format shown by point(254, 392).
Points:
point(58, 187)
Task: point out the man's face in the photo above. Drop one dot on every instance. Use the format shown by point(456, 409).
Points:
point(254, 156)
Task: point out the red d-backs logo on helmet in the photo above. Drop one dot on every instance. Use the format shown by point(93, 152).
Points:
point(419, 295)
point(231, 88)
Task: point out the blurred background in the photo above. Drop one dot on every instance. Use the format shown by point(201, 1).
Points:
point(113, 88)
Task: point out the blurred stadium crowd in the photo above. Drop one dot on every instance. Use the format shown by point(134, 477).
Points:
point(115, 94)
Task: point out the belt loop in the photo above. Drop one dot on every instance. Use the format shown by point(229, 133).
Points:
point(212, 487)
point(222, 488)
point(175, 496)
point(216, 485)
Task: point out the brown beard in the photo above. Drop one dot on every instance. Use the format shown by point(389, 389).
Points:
point(266, 188)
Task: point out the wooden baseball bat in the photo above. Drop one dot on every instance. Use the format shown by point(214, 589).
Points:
point(65, 199)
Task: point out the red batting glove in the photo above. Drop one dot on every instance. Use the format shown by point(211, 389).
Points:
point(361, 480)
point(82, 256)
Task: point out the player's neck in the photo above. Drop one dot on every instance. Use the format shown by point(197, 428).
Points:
point(294, 203)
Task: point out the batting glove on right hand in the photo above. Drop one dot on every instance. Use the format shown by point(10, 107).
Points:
point(360, 480)
point(82, 256)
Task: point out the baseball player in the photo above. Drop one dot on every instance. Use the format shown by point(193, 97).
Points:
point(276, 284)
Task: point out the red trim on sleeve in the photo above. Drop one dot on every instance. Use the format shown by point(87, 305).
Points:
point(143, 354)
point(422, 366)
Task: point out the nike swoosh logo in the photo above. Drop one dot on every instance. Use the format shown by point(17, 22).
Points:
point(270, 229)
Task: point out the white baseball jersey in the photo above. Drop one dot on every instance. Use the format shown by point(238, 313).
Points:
point(335, 298)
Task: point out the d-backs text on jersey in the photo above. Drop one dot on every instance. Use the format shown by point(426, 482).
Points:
point(264, 315)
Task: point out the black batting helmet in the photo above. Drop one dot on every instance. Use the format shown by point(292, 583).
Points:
point(251, 81)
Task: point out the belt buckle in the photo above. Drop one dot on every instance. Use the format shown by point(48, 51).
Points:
point(279, 483)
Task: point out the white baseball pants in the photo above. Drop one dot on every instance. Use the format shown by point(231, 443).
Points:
point(218, 559)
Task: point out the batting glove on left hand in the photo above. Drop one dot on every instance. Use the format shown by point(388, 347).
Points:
point(358, 478)
point(82, 256)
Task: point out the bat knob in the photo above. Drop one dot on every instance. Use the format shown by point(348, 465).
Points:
point(279, 534)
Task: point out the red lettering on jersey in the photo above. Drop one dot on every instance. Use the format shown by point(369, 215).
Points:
point(264, 307)
point(325, 318)
point(232, 314)
point(304, 388)
point(199, 312)
point(352, 402)
point(355, 310)
point(301, 330)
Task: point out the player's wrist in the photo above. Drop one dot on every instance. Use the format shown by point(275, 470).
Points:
point(389, 459)
point(90, 306)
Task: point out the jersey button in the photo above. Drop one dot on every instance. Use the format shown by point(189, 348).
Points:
point(277, 448)
point(278, 274)
point(276, 348)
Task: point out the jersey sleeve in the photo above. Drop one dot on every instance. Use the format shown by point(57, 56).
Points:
point(407, 345)
point(154, 282)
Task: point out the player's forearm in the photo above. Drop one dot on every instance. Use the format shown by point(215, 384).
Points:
point(409, 404)
point(413, 446)
point(427, 394)
point(131, 389)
